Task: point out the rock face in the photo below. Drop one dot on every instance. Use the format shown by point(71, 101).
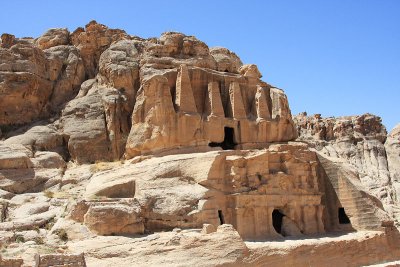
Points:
point(219, 190)
point(281, 191)
point(146, 96)
point(212, 112)
point(392, 146)
point(77, 260)
point(37, 79)
point(359, 140)
point(164, 151)
point(363, 144)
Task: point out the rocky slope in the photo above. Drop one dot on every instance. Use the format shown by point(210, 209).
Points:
point(98, 87)
point(163, 151)
point(363, 143)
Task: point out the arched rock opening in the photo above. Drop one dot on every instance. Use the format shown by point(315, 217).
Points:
point(229, 140)
point(277, 218)
point(221, 217)
point(343, 218)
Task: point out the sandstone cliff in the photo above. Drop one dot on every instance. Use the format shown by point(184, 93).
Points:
point(163, 151)
point(110, 95)
point(362, 143)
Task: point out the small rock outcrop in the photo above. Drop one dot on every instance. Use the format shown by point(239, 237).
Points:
point(76, 260)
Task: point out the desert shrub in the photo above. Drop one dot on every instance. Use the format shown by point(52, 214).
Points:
point(19, 239)
point(99, 166)
point(49, 224)
point(39, 240)
point(62, 234)
point(48, 194)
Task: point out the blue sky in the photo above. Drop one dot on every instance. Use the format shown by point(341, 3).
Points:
point(334, 57)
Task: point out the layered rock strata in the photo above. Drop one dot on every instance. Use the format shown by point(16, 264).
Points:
point(127, 148)
point(133, 96)
point(359, 146)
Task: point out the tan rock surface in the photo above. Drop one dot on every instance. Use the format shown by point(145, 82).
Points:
point(353, 249)
point(53, 37)
point(226, 60)
point(223, 247)
point(134, 78)
point(26, 86)
point(36, 82)
point(392, 147)
point(111, 218)
point(189, 190)
point(92, 41)
point(43, 137)
point(360, 142)
point(181, 152)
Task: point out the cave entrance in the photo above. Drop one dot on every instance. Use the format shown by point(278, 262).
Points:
point(343, 218)
point(221, 217)
point(277, 218)
point(229, 142)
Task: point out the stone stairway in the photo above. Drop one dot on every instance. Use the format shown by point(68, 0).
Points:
point(358, 206)
point(396, 214)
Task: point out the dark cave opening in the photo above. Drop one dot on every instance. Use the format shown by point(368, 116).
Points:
point(343, 218)
point(221, 217)
point(277, 218)
point(229, 142)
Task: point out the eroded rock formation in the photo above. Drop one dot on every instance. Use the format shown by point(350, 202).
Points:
point(360, 145)
point(142, 96)
point(167, 150)
point(392, 147)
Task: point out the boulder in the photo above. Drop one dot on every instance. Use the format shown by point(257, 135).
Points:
point(49, 160)
point(42, 137)
point(53, 37)
point(227, 61)
point(106, 219)
point(14, 156)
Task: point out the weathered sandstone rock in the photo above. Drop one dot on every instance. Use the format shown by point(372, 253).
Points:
point(223, 247)
point(53, 37)
point(67, 72)
point(39, 138)
point(360, 142)
point(163, 151)
point(392, 146)
point(25, 83)
point(269, 193)
point(105, 219)
point(92, 41)
point(208, 229)
point(146, 96)
point(226, 60)
point(36, 82)
point(23, 171)
point(14, 156)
